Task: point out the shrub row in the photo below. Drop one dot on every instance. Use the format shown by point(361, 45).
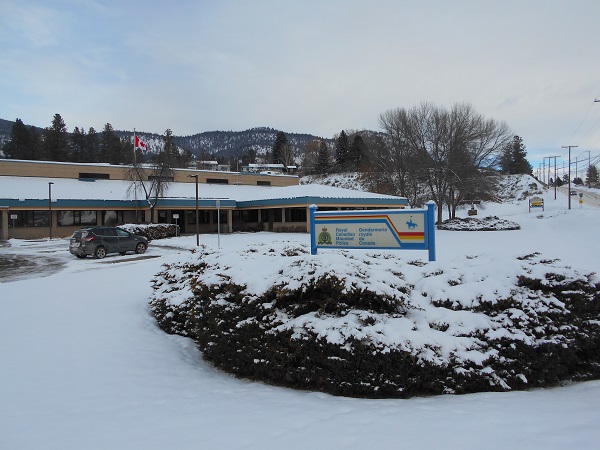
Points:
point(247, 335)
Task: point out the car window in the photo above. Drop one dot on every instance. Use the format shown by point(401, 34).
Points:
point(105, 232)
point(122, 233)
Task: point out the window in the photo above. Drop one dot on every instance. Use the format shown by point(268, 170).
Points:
point(94, 176)
point(203, 216)
point(29, 219)
point(109, 232)
point(111, 218)
point(191, 217)
point(217, 181)
point(222, 218)
point(298, 215)
point(263, 183)
point(250, 215)
point(70, 218)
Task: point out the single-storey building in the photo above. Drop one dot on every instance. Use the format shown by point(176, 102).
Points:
point(41, 199)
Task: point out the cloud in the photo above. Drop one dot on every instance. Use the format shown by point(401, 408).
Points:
point(311, 66)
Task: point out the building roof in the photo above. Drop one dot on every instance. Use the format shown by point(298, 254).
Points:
point(23, 191)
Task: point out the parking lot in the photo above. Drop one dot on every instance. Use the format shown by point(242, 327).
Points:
point(25, 259)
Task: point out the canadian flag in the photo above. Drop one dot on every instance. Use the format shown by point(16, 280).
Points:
point(140, 144)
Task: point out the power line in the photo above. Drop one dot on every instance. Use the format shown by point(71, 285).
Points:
point(591, 130)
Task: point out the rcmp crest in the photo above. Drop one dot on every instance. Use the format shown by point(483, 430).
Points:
point(324, 237)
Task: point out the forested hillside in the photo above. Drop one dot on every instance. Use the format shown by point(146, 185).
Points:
point(235, 143)
point(210, 144)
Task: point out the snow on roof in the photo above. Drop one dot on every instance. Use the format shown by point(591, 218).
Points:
point(65, 188)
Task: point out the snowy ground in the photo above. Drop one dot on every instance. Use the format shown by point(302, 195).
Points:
point(83, 364)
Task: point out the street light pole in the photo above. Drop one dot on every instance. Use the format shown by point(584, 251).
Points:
point(197, 218)
point(50, 183)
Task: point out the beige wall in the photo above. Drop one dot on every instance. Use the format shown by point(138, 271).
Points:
point(18, 168)
point(3, 223)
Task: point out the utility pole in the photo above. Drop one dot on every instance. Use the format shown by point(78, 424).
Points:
point(589, 163)
point(548, 176)
point(570, 147)
point(550, 157)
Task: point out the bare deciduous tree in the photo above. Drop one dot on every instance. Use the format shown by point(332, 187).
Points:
point(152, 181)
point(449, 152)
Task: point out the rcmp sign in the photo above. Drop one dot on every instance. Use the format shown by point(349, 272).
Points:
point(402, 229)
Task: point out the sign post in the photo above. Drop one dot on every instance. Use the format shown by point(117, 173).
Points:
point(13, 217)
point(536, 202)
point(176, 217)
point(387, 229)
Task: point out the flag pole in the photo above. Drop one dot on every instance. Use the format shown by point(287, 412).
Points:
point(137, 219)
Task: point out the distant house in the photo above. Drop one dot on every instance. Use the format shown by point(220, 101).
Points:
point(210, 165)
point(273, 168)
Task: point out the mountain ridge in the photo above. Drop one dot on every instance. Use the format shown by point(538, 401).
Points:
point(215, 143)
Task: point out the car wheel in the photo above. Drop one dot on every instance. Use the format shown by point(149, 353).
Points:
point(100, 252)
point(122, 253)
point(81, 256)
point(140, 248)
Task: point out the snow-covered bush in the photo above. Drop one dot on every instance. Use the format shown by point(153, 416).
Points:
point(152, 230)
point(372, 325)
point(491, 223)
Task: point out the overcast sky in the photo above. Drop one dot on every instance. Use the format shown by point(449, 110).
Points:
point(305, 66)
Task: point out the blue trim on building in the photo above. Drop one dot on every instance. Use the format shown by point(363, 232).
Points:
point(305, 201)
point(203, 203)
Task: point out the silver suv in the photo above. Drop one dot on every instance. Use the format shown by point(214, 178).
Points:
point(99, 241)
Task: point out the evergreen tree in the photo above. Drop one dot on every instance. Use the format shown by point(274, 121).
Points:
point(56, 140)
point(342, 148)
point(323, 160)
point(111, 150)
point(19, 144)
point(172, 156)
point(92, 146)
point(35, 147)
point(78, 144)
point(278, 148)
point(591, 177)
point(169, 148)
point(249, 157)
point(357, 152)
point(514, 158)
